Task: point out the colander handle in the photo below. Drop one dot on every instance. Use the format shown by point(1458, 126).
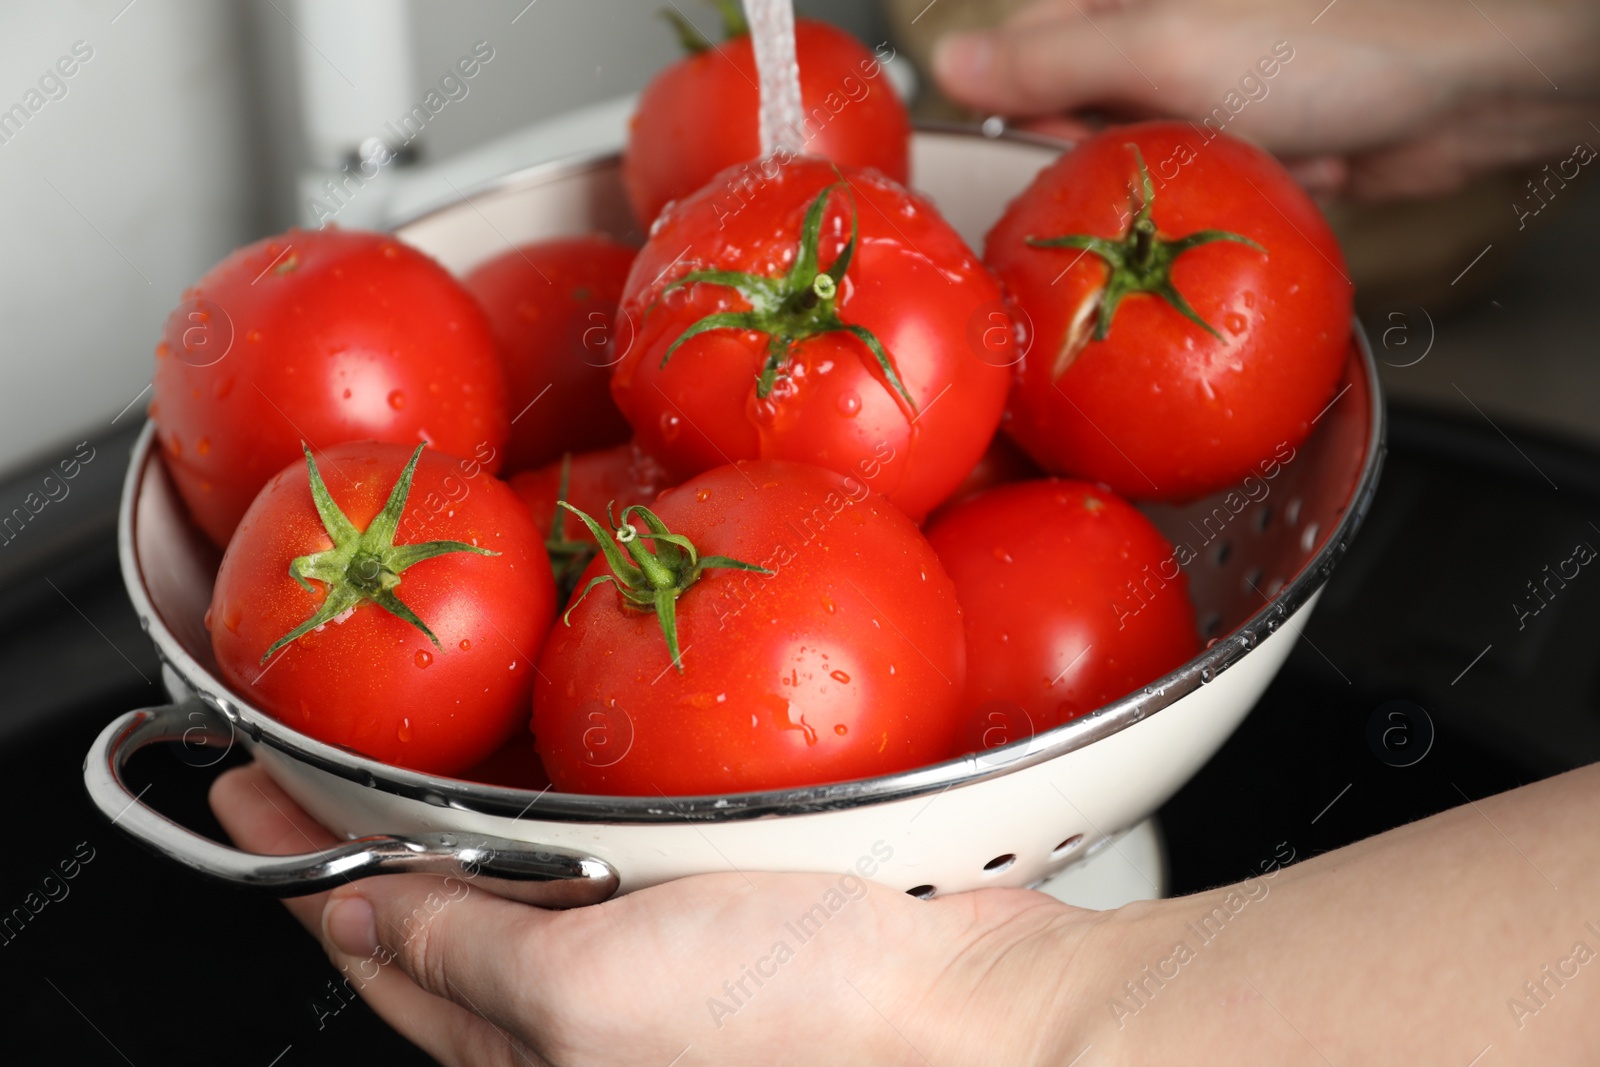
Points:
point(534, 874)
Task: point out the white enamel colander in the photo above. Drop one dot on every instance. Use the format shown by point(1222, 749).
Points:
point(1011, 816)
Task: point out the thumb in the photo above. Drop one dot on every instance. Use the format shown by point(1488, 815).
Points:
point(463, 944)
point(1038, 66)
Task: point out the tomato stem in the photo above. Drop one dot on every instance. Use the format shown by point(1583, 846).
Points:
point(793, 307)
point(693, 41)
point(1141, 260)
point(569, 557)
point(649, 579)
point(362, 565)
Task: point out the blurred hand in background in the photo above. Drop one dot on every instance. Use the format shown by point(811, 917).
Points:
point(1365, 99)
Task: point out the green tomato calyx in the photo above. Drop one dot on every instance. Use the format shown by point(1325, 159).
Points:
point(569, 557)
point(362, 565)
point(693, 41)
point(649, 580)
point(1140, 261)
point(792, 307)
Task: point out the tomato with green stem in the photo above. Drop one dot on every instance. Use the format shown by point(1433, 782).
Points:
point(701, 114)
point(764, 625)
point(1189, 305)
point(353, 610)
point(591, 482)
point(835, 322)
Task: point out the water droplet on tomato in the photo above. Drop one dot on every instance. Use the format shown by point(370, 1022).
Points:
point(465, 644)
point(671, 426)
point(1235, 323)
point(231, 614)
point(828, 605)
point(347, 394)
point(423, 657)
point(397, 400)
point(253, 336)
point(403, 731)
point(702, 495)
point(849, 404)
point(202, 447)
point(841, 729)
point(840, 677)
point(1249, 298)
point(174, 446)
point(163, 350)
point(1001, 554)
point(207, 620)
point(223, 387)
point(391, 252)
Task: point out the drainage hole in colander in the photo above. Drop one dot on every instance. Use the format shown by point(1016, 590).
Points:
point(1221, 554)
point(1066, 846)
point(1000, 863)
point(1210, 625)
point(1291, 511)
point(1252, 579)
point(1264, 517)
point(922, 892)
point(1308, 540)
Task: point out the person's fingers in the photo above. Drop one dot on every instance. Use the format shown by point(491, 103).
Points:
point(1041, 66)
point(1324, 176)
point(456, 942)
point(1062, 127)
point(261, 818)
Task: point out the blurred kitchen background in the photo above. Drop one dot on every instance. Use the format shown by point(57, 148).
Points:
point(183, 132)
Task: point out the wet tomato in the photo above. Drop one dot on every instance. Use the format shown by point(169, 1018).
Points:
point(388, 600)
point(701, 115)
point(836, 321)
point(840, 657)
point(553, 305)
point(321, 336)
point(1189, 306)
point(1071, 599)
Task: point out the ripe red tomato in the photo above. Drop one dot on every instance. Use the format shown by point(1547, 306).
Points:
point(845, 661)
point(624, 474)
point(552, 305)
point(701, 115)
point(1220, 340)
point(1071, 599)
point(321, 336)
point(437, 691)
point(747, 348)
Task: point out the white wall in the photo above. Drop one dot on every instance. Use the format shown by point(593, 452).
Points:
point(114, 197)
